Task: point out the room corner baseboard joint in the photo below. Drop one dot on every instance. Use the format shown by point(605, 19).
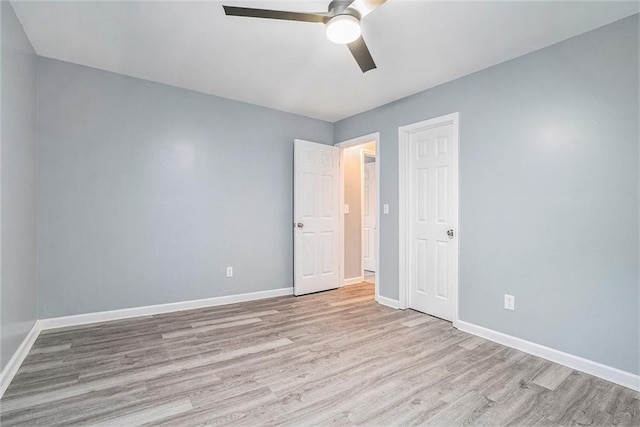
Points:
point(21, 353)
point(11, 368)
point(353, 281)
point(388, 302)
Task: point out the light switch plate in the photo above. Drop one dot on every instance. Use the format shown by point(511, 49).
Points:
point(229, 271)
point(385, 209)
point(346, 209)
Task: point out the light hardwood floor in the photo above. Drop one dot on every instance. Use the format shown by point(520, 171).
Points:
point(331, 358)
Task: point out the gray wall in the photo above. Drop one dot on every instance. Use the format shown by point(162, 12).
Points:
point(18, 288)
point(548, 192)
point(148, 192)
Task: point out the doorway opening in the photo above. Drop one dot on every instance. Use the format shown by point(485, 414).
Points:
point(360, 194)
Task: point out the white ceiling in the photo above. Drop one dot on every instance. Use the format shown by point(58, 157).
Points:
point(291, 66)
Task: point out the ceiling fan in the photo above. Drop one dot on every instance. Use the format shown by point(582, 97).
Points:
point(342, 21)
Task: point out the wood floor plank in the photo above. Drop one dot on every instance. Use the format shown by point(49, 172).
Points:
point(209, 328)
point(352, 301)
point(234, 318)
point(334, 357)
point(463, 411)
point(151, 415)
point(472, 343)
point(552, 376)
point(416, 322)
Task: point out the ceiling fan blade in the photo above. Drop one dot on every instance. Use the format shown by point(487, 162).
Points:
point(275, 14)
point(365, 7)
point(361, 53)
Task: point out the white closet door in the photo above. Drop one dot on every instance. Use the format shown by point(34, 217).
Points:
point(433, 212)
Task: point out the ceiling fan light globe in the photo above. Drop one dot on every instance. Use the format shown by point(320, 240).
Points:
point(343, 29)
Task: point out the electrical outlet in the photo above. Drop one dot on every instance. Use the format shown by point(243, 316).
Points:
point(385, 209)
point(509, 302)
point(229, 271)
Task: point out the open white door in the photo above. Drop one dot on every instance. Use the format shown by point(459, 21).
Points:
point(316, 210)
point(369, 216)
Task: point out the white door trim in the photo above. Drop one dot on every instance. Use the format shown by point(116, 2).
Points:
point(350, 143)
point(403, 208)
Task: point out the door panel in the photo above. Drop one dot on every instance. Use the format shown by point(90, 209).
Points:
point(316, 210)
point(369, 225)
point(432, 208)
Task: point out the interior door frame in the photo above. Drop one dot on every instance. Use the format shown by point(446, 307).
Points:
point(365, 153)
point(346, 144)
point(405, 190)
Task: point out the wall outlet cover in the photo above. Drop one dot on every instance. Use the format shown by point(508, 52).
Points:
point(229, 271)
point(509, 302)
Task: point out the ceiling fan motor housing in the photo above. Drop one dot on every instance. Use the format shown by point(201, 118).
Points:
point(341, 7)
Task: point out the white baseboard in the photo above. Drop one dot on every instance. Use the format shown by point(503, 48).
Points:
point(11, 368)
point(614, 375)
point(353, 281)
point(388, 302)
point(104, 316)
